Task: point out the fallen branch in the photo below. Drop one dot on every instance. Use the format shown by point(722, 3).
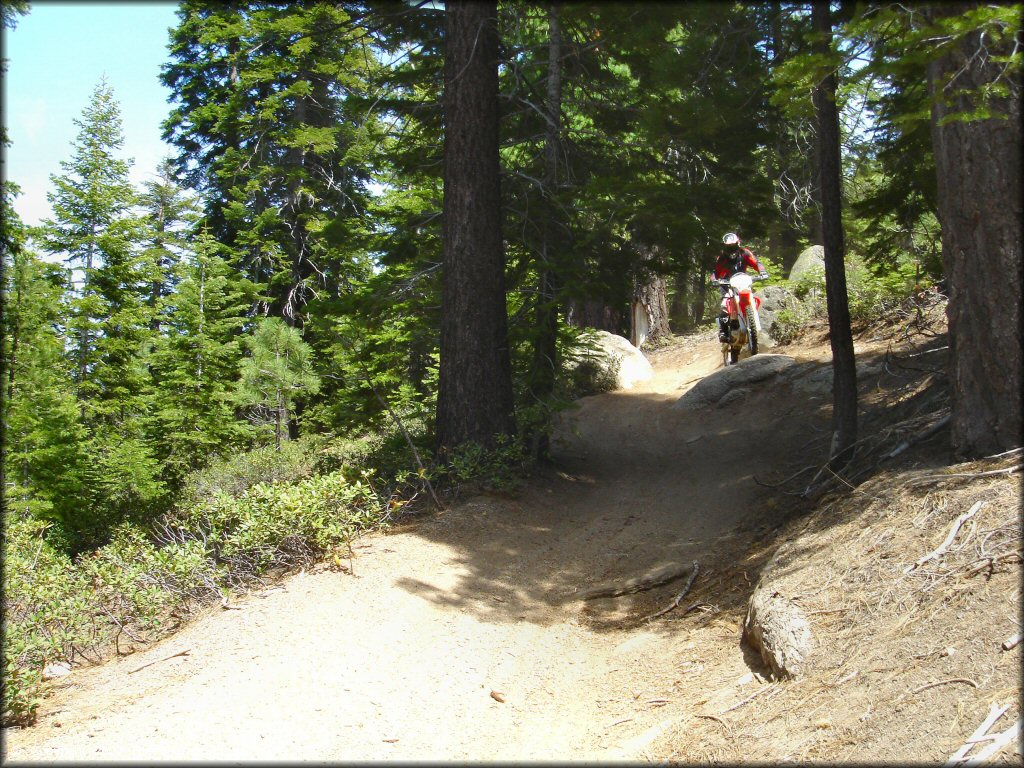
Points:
point(904, 445)
point(941, 549)
point(1000, 741)
point(994, 713)
point(678, 598)
point(926, 686)
point(971, 475)
point(749, 698)
point(661, 576)
point(717, 720)
point(165, 658)
point(991, 562)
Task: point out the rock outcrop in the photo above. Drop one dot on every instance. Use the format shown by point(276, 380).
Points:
point(615, 358)
point(713, 388)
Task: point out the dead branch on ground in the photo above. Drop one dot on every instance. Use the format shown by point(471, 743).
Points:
point(676, 600)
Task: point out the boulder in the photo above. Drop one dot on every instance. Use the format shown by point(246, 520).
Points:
point(56, 669)
point(615, 357)
point(712, 388)
point(810, 260)
point(774, 298)
point(818, 379)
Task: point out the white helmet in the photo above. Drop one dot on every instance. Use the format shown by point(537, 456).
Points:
point(731, 238)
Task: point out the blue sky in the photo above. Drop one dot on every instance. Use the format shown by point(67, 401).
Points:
point(56, 55)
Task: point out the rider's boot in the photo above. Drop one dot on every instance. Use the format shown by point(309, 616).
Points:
point(723, 329)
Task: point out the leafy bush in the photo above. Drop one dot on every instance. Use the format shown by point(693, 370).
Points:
point(280, 524)
point(235, 474)
point(497, 468)
point(872, 295)
point(59, 609)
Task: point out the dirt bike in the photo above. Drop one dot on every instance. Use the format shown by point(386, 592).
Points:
point(744, 320)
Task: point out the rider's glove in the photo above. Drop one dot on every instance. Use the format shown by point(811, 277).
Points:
point(764, 275)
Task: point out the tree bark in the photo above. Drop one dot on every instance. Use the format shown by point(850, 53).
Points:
point(649, 321)
point(844, 369)
point(594, 313)
point(978, 166)
point(475, 381)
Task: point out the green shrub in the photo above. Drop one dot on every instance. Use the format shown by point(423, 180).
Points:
point(872, 295)
point(239, 472)
point(496, 469)
point(280, 524)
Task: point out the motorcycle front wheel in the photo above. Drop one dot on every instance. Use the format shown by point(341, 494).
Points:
point(751, 332)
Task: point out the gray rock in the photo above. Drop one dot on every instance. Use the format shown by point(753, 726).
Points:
point(774, 298)
point(811, 259)
point(818, 380)
point(615, 355)
point(712, 388)
point(733, 396)
point(56, 669)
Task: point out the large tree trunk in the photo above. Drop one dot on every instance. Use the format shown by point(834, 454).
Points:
point(474, 403)
point(978, 163)
point(594, 313)
point(649, 321)
point(844, 369)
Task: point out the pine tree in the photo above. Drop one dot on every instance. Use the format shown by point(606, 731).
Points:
point(195, 363)
point(277, 372)
point(91, 202)
point(45, 445)
point(267, 133)
point(95, 230)
point(169, 215)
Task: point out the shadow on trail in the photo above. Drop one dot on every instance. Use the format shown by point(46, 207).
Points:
point(638, 485)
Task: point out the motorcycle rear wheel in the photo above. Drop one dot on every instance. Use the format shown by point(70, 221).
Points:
point(732, 356)
point(751, 332)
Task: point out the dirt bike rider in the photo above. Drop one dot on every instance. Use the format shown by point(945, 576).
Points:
point(732, 259)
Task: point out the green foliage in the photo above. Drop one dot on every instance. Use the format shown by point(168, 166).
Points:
point(275, 525)
point(495, 469)
point(236, 473)
point(278, 370)
point(271, 130)
point(58, 609)
point(195, 362)
point(873, 294)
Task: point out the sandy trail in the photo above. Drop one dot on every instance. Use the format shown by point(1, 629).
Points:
point(399, 661)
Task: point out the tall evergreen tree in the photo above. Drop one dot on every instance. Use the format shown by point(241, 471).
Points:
point(975, 83)
point(196, 361)
point(95, 230)
point(266, 132)
point(92, 201)
point(169, 214)
point(844, 371)
point(475, 387)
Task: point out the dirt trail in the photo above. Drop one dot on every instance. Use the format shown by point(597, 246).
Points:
point(399, 661)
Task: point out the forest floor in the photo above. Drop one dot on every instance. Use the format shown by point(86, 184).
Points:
point(460, 635)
